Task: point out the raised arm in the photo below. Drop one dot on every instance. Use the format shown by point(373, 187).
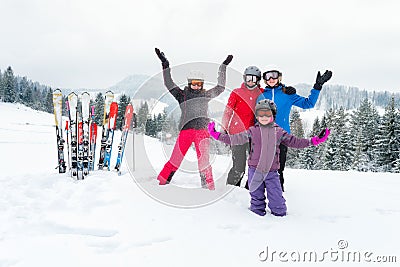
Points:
point(221, 81)
point(168, 82)
point(309, 102)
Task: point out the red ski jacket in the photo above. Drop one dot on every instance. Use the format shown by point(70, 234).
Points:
point(239, 111)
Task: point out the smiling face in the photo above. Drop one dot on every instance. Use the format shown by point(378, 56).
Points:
point(264, 116)
point(272, 82)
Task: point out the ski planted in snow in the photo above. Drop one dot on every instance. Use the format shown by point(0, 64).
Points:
point(80, 148)
point(112, 123)
point(57, 104)
point(92, 141)
point(72, 113)
point(124, 136)
point(85, 97)
point(67, 134)
point(108, 99)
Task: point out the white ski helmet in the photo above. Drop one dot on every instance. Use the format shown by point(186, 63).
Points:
point(195, 75)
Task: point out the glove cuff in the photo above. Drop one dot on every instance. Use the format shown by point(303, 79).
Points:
point(215, 135)
point(315, 140)
point(165, 64)
point(317, 86)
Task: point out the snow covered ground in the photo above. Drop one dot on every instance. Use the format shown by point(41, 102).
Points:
point(48, 219)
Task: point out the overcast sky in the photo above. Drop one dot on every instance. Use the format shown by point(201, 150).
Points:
point(97, 43)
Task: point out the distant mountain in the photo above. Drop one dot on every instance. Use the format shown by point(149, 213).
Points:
point(336, 96)
point(143, 87)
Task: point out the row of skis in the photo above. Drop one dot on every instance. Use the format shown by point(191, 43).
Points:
point(81, 133)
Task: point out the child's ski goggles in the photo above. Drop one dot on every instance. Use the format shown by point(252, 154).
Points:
point(264, 113)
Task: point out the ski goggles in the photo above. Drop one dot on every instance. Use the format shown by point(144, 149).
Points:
point(274, 74)
point(264, 113)
point(251, 78)
point(197, 82)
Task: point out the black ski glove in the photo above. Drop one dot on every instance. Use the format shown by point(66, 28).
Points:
point(289, 90)
point(227, 60)
point(164, 60)
point(321, 79)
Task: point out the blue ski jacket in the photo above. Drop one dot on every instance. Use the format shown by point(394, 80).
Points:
point(285, 102)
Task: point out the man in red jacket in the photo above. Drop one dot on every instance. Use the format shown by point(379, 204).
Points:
point(238, 117)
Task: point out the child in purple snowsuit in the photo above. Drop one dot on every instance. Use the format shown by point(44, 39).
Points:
point(264, 139)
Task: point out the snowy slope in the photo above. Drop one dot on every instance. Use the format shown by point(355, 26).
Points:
point(48, 219)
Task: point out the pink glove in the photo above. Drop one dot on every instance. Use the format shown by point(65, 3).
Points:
point(323, 135)
point(211, 130)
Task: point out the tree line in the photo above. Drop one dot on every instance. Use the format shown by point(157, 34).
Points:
point(15, 89)
point(361, 140)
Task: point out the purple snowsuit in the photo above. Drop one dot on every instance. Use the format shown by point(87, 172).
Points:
point(263, 163)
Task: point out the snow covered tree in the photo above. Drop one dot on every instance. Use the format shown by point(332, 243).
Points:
point(326, 162)
point(151, 126)
point(388, 144)
point(170, 125)
point(99, 109)
point(9, 86)
point(123, 102)
point(296, 129)
point(364, 125)
point(142, 116)
point(1, 87)
point(25, 91)
point(344, 151)
point(311, 157)
point(48, 104)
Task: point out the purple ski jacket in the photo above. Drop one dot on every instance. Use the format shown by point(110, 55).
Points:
point(264, 144)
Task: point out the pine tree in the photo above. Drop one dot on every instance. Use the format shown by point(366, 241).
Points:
point(170, 127)
point(150, 128)
point(363, 129)
point(338, 155)
point(296, 128)
point(48, 105)
point(343, 148)
point(311, 157)
point(330, 147)
point(99, 109)
point(9, 86)
point(26, 92)
point(122, 104)
point(1, 87)
point(388, 144)
point(142, 117)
